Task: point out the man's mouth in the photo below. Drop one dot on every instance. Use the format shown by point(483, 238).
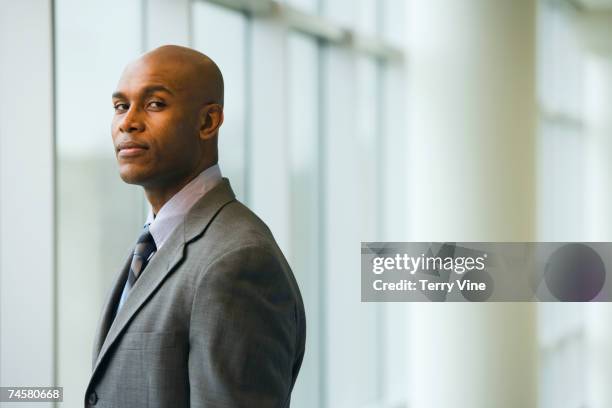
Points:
point(130, 149)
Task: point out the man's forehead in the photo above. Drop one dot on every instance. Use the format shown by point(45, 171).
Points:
point(145, 74)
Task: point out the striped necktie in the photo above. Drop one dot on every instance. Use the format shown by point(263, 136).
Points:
point(143, 251)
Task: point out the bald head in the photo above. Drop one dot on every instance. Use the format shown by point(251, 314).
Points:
point(169, 104)
point(191, 70)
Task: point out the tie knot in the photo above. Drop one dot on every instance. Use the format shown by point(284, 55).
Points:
point(145, 245)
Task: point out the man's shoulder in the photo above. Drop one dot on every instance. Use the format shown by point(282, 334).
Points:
point(238, 222)
point(234, 227)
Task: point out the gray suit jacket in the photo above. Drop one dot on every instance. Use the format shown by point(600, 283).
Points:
point(215, 320)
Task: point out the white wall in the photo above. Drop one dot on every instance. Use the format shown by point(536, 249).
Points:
point(27, 301)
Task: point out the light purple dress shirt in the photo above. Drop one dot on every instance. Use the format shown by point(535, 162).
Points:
point(172, 212)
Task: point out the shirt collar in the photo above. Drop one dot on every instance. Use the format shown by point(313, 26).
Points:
point(172, 212)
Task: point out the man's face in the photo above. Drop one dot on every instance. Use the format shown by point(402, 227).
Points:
point(155, 124)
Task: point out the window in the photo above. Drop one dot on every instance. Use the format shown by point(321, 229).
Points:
point(309, 117)
point(98, 215)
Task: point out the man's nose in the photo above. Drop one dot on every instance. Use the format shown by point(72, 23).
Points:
point(131, 121)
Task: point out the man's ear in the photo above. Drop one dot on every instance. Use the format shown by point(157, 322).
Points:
point(211, 119)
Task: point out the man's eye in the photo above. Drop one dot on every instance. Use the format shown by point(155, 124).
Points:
point(156, 104)
point(120, 107)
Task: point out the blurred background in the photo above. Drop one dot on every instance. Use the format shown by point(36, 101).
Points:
point(345, 121)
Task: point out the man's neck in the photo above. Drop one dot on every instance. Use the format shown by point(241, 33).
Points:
point(160, 195)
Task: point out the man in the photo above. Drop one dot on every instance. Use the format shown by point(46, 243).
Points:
point(206, 311)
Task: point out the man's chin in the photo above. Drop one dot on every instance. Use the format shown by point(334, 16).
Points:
point(132, 177)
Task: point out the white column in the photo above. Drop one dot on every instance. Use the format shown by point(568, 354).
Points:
point(26, 195)
point(598, 124)
point(598, 355)
point(471, 178)
point(594, 30)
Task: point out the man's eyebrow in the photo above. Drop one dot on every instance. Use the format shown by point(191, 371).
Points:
point(148, 90)
point(156, 88)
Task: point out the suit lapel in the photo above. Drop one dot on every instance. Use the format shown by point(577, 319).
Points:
point(109, 307)
point(163, 263)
